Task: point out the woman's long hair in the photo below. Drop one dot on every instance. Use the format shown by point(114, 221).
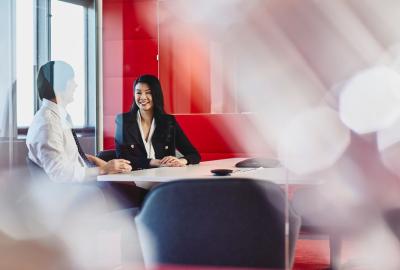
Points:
point(156, 93)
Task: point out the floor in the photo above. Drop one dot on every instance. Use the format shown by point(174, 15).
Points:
point(314, 255)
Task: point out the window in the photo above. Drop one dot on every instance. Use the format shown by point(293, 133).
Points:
point(68, 44)
point(55, 30)
point(24, 61)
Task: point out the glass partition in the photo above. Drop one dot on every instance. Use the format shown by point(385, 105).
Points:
point(314, 84)
point(33, 32)
point(220, 69)
point(310, 89)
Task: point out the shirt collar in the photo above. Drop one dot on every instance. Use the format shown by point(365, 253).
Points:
point(59, 110)
point(147, 144)
point(139, 120)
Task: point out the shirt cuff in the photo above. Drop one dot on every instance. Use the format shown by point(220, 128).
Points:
point(92, 173)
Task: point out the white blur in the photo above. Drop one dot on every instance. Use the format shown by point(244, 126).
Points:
point(46, 225)
point(370, 101)
point(320, 140)
point(320, 81)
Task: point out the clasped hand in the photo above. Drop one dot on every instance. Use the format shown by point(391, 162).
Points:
point(168, 161)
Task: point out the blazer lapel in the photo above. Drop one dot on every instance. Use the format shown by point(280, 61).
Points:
point(133, 131)
point(161, 129)
point(158, 140)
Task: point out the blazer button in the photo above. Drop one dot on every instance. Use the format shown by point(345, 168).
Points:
point(166, 147)
point(132, 146)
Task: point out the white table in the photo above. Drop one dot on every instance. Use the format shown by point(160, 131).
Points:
point(149, 177)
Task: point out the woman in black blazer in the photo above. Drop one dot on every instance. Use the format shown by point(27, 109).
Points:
point(146, 135)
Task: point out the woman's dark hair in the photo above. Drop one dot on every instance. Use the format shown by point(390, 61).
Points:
point(156, 93)
point(53, 75)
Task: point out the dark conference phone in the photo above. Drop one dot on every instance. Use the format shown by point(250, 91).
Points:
point(258, 163)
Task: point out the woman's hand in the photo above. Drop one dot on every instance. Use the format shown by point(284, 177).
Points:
point(168, 161)
point(155, 163)
point(171, 161)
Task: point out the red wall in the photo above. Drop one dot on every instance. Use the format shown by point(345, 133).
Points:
point(184, 63)
point(130, 48)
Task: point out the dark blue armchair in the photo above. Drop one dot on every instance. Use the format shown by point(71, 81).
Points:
point(227, 222)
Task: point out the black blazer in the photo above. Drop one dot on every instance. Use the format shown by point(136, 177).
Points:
point(167, 137)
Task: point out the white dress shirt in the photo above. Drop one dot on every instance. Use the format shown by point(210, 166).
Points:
point(147, 144)
point(51, 145)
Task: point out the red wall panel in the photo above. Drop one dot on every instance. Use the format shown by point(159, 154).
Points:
point(184, 63)
point(130, 48)
point(219, 136)
point(112, 20)
point(113, 62)
point(140, 19)
point(113, 97)
point(140, 56)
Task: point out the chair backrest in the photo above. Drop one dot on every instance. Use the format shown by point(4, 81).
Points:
point(227, 222)
point(107, 155)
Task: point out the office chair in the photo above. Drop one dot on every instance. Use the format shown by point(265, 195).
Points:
point(91, 190)
point(107, 155)
point(228, 222)
point(36, 173)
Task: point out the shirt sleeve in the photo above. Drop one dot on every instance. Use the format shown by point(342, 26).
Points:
point(50, 148)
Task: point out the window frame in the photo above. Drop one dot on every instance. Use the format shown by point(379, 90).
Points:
point(42, 52)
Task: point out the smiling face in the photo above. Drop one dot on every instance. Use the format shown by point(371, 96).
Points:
point(143, 97)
